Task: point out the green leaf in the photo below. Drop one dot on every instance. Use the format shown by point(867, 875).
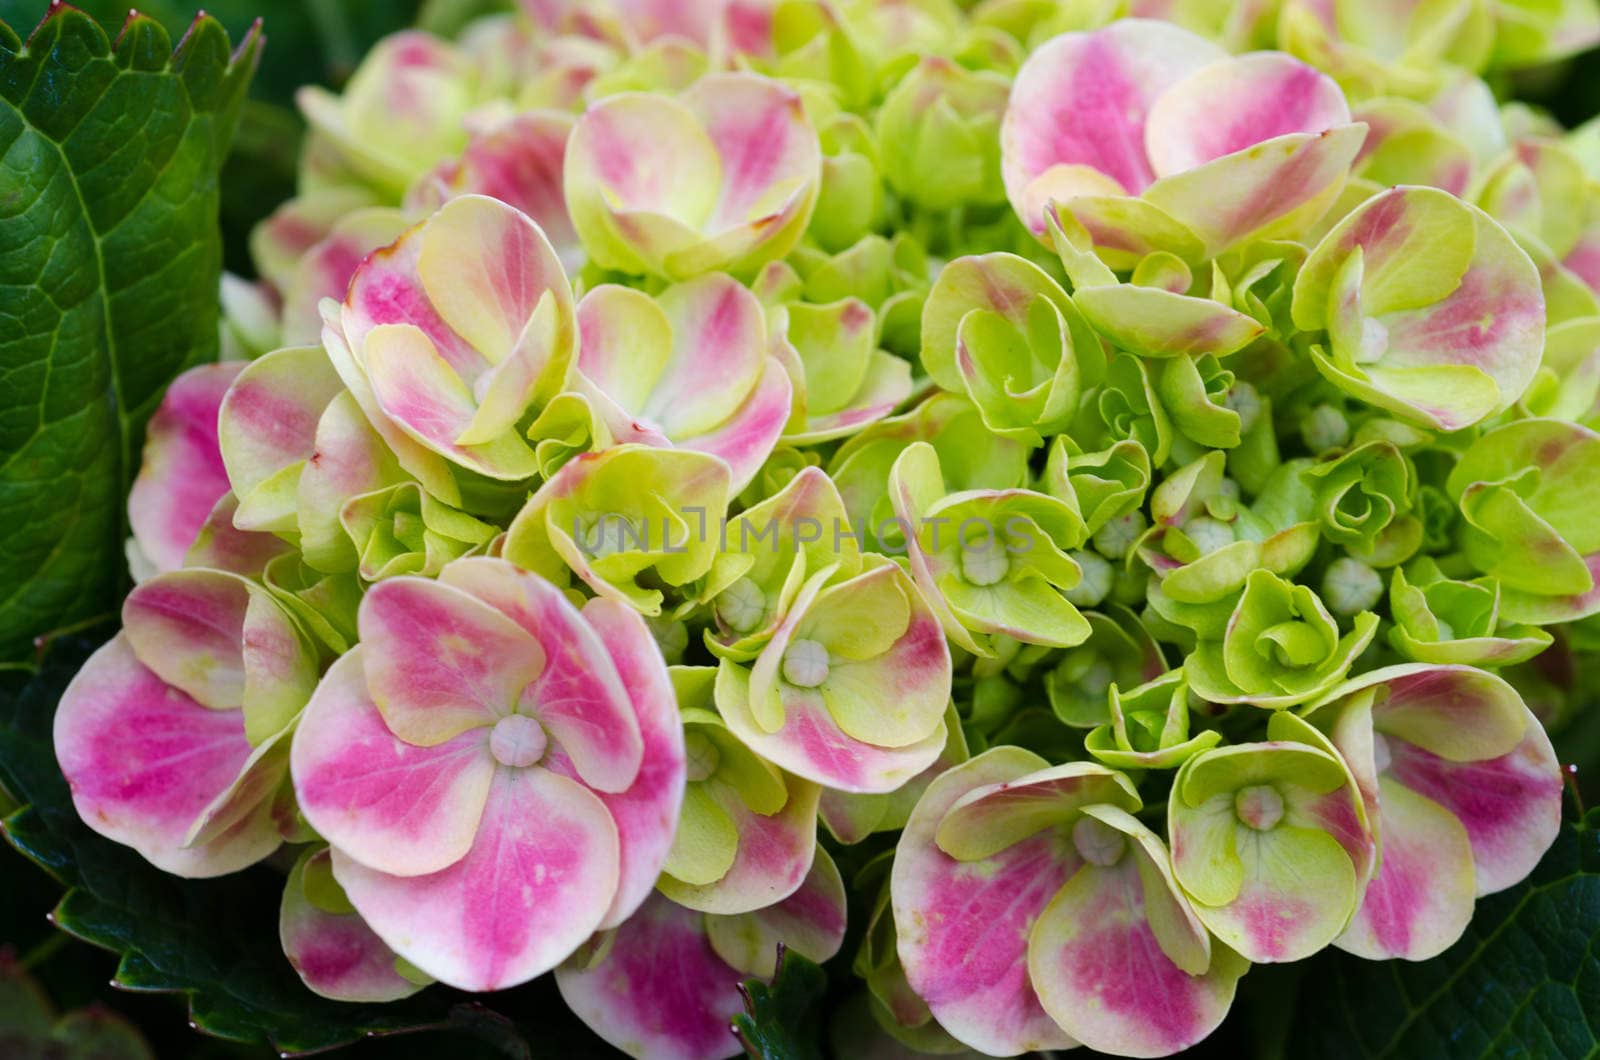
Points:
point(110, 258)
point(1524, 981)
point(783, 1019)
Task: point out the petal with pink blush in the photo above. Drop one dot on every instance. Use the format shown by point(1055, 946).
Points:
point(987, 820)
point(1275, 189)
point(810, 921)
point(760, 131)
point(324, 271)
point(539, 877)
point(746, 440)
point(1234, 104)
point(963, 927)
point(658, 988)
point(144, 760)
point(397, 807)
point(1460, 712)
point(259, 780)
point(576, 690)
point(440, 661)
point(222, 546)
point(811, 744)
point(387, 289)
point(519, 162)
point(485, 266)
point(334, 952)
point(190, 625)
point(267, 426)
point(181, 475)
point(647, 812)
point(1083, 99)
point(1102, 973)
point(719, 336)
point(774, 854)
point(1510, 805)
point(1420, 901)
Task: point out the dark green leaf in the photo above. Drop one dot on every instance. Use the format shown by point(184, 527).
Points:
point(109, 259)
point(1523, 982)
point(783, 1019)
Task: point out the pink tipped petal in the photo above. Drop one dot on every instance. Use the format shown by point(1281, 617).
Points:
point(811, 744)
point(440, 661)
point(766, 144)
point(1102, 973)
point(537, 881)
point(222, 546)
point(1082, 99)
point(810, 921)
point(387, 289)
point(268, 424)
point(257, 783)
point(326, 268)
point(416, 387)
point(485, 266)
point(397, 807)
point(963, 927)
point(576, 691)
point(745, 441)
point(1421, 899)
point(335, 954)
point(1459, 712)
point(719, 353)
point(1509, 805)
point(647, 812)
point(1235, 104)
point(182, 473)
point(658, 989)
point(144, 760)
point(773, 856)
point(190, 625)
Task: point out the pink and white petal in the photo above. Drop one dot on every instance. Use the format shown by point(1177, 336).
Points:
point(1295, 897)
point(397, 807)
point(658, 989)
point(647, 812)
point(336, 955)
point(763, 137)
point(222, 546)
point(638, 153)
point(188, 626)
point(181, 474)
point(143, 761)
point(810, 921)
point(257, 784)
point(963, 927)
point(268, 418)
point(387, 289)
point(578, 691)
point(535, 370)
point(1278, 188)
point(440, 661)
point(485, 265)
point(539, 877)
point(719, 353)
point(773, 856)
point(1101, 972)
point(810, 743)
point(1509, 805)
point(746, 440)
point(519, 162)
point(1420, 901)
point(278, 243)
point(626, 342)
point(1460, 712)
point(1234, 104)
point(326, 268)
point(417, 388)
point(1083, 99)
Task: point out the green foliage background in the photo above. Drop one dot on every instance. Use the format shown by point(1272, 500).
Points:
point(132, 204)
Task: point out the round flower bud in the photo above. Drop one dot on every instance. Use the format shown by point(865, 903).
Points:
point(1115, 538)
point(1095, 582)
point(1350, 586)
point(1326, 428)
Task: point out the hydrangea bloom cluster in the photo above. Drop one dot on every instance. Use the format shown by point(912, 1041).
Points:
point(1118, 472)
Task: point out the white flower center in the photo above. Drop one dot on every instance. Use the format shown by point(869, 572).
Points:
point(741, 605)
point(517, 740)
point(805, 664)
point(1259, 806)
